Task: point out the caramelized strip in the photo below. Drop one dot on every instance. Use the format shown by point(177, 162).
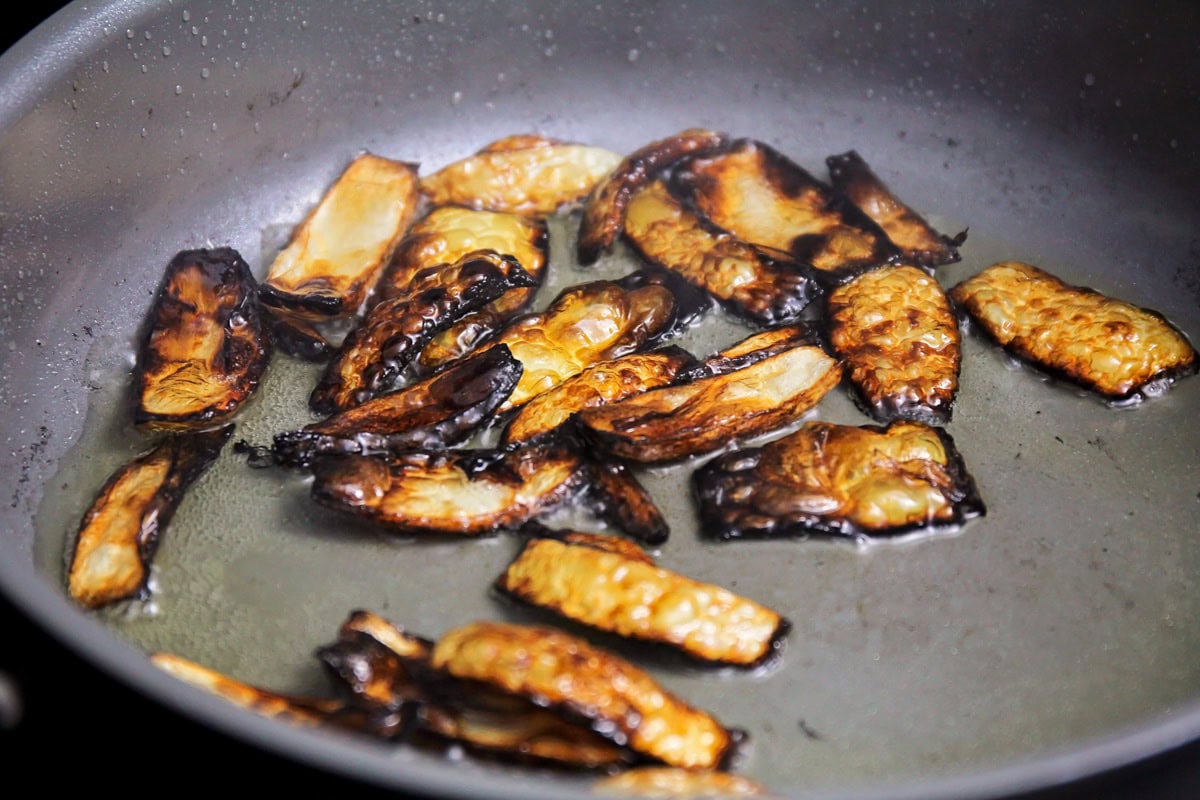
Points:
point(120, 531)
point(1111, 347)
point(338, 251)
point(619, 498)
point(631, 597)
point(564, 672)
point(206, 347)
point(919, 243)
point(750, 350)
point(604, 211)
point(682, 420)
point(900, 341)
point(673, 782)
point(745, 280)
point(841, 480)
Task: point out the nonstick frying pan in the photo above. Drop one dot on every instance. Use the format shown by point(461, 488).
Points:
point(1051, 640)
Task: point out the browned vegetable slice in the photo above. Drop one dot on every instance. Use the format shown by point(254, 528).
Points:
point(838, 479)
point(467, 493)
point(538, 179)
point(120, 531)
point(617, 496)
point(900, 341)
point(673, 782)
point(598, 586)
point(596, 385)
point(1119, 350)
point(762, 197)
point(565, 673)
point(337, 253)
point(437, 412)
point(749, 283)
point(752, 349)
point(682, 420)
point(206, 346)
point(918, 241)
point(374, 353)
point(604, 210)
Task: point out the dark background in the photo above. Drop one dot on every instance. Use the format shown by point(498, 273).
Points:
point(95, 732)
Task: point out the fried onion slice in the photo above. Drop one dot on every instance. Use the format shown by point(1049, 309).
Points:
point(1116, 349)
point(337, 253)
point(687, 419)
point(900, 341)
point(762, 197)
point(593, 584)
point(121, 530)
point(840, 480)
point(673, 783)
point(918, 241)
point(206, 345)
point(538, 179)
point(604, 211)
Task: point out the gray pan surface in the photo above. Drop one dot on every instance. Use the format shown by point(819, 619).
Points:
point(1053, 638)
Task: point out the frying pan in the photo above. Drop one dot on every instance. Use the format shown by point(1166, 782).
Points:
point(1051, 640)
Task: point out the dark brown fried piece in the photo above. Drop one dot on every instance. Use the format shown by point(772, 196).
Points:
point(618, 497)
point(838, 479)
point(1111, 347)
point(337, 253)
point(764, 198)
point(296, 336)
point(599, 586)
point(672, 782)
point(537, 179)
point(375, 353)
point(596, 385)
point(437, 412)
point(687, 419)
point(900, 341)
point(120, 531)
point(468, 493)
point(746, 281)
point(751, 350)
point(919, 243)
point(566, 674)
point(604, 210)
point(206, 345)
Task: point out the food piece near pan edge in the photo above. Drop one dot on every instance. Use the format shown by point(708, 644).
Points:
point(759, 288)
point(917, 240)
point(205, 347)
point(338, 251)
point(840, 480)
point(1116, 349)
point(900, 341)
point(119, 533)
point(590, 583)
point(673, 782)
point(604, 210)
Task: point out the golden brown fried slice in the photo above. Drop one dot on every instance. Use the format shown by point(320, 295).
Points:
point(596, 385)
point(708, 413)
point(599, 586)
point(745, 280)
point(206, 346)
point(670, 783)
point(900, 341)
point(537, 180)
point(919, 243)
point(120, 531)
point(604, 211)
point(336, 254)
point(375, 353)
point(1111, 347)
point(566, 674)
point(764, 198)
point(467, 493)
point(838, 479)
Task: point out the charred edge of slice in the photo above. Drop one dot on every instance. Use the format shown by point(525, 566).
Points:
point(690, 302)
point(296, 336)
point(619, 498)
point(320, 304)
point(752, 349)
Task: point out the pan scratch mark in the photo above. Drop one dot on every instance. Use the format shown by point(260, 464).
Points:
point(810, 731)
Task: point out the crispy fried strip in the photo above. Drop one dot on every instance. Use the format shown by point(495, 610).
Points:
point(206, 346)
point(1106, 345)
point(338, 251)
point(604, 589)
point(120, 531)
point(841, 480)
point(604, 210)
point(617, 496)
point(919, 243)
point(900, 341)
point(673, 782)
